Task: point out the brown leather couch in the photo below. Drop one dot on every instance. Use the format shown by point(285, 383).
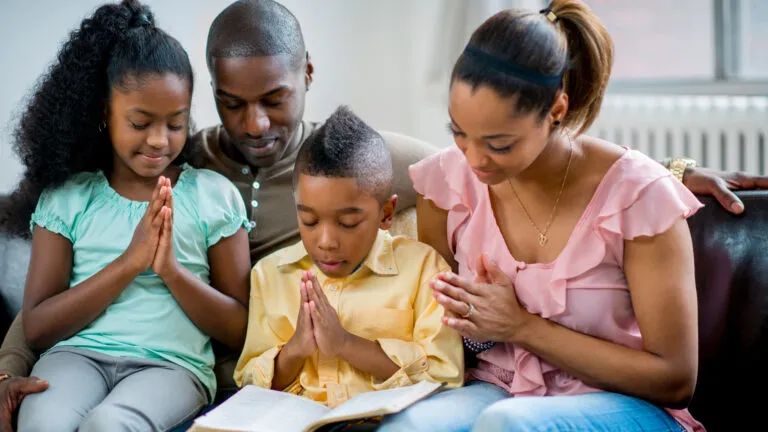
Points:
point(731, 254)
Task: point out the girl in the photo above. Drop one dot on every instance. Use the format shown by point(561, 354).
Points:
point(137, 258)
point(575, 263)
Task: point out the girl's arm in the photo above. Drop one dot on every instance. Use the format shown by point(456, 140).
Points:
point(220, 312)
point(52, 311)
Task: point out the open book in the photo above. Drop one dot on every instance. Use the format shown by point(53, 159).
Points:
point(255, 409)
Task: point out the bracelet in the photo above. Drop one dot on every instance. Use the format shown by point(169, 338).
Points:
point(678, 166)
point(477, 347)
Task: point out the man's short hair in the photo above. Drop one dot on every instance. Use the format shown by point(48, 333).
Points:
point(255, 28)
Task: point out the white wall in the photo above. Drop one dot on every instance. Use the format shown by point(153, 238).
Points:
point(375, 56)
point(361, 52)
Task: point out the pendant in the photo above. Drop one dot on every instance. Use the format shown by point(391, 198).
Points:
point(542, 240)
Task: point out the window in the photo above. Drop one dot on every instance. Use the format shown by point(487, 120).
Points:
point(659, 39)
point(752, 35)
point(687, 41)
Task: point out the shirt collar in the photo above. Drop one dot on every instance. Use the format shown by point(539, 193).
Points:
point(380, 259)
point(288, 159)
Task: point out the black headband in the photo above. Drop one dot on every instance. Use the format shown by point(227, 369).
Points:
point(512, 69)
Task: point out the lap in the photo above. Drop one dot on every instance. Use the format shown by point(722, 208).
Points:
point(451, 410)
point(77, 384)
point(595, 412)
point(90, 391)
point(156, 398)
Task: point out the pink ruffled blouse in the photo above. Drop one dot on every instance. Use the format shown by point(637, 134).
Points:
point(584, 289)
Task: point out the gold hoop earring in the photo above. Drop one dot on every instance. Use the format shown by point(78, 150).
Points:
point(102, 125)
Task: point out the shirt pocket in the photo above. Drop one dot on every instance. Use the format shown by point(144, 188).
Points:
point(380, 323)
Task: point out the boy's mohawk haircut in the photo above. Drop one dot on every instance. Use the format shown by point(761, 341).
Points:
point(345, 146)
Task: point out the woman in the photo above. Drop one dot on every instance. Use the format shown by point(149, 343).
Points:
point(575, 276)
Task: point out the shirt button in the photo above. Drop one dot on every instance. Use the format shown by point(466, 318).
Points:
point(254, 203)
point(256, 185)
point(252, 224)
point(245, 170)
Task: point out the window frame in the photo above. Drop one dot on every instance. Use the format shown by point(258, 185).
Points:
point(727, 56)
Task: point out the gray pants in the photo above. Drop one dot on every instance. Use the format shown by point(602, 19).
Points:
point(96, 392)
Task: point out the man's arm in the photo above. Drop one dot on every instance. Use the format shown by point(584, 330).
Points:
point(16, 356)
point(16, 361)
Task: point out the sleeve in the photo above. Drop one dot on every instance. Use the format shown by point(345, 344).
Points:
point(58, 209)
point(16, 356)
point(646, 201)
point(435, 353)
point(222, 210)
point(265, 337)
point(405, 151)
point(647, 208)
point(445, 179)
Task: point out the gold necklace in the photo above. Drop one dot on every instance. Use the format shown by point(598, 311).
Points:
point(543, 234)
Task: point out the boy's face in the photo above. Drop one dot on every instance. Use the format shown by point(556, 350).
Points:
point(338, 223)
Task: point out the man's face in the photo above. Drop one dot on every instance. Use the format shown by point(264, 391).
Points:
point(260, 101)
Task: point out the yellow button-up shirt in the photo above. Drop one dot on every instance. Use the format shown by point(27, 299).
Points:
point(387, 300)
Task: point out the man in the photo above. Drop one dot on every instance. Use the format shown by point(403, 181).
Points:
point(260, 74)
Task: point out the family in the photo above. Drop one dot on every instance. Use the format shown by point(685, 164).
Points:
point(551, 286)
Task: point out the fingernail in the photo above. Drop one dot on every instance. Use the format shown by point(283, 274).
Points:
point(737, 207)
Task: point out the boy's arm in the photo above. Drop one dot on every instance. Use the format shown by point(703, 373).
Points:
point(266, 336)
point(436, 352)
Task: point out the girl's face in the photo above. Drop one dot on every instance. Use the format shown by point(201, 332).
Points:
point(148, 121)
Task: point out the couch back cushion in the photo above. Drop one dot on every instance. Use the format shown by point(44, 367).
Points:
point(731, 255)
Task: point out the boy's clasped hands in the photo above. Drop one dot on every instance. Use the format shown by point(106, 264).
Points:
point(318, 325)
point(152, 242)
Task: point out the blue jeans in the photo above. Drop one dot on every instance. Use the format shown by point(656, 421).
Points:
point(481, 406)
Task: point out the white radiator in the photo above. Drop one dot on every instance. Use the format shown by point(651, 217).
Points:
point(723, 132)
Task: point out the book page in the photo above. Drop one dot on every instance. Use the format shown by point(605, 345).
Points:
point(377, 403)
point(254, 409)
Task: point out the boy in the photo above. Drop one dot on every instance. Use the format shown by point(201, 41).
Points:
point(348, 309)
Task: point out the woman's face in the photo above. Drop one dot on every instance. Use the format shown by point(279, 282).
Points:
point(148, 122)
point(498, 143)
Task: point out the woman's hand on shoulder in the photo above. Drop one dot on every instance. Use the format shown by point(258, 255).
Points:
point(141, 252)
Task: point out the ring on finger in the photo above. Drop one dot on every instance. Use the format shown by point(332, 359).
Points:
point(470, 310)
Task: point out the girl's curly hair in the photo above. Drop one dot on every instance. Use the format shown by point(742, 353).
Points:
point(59, 132)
